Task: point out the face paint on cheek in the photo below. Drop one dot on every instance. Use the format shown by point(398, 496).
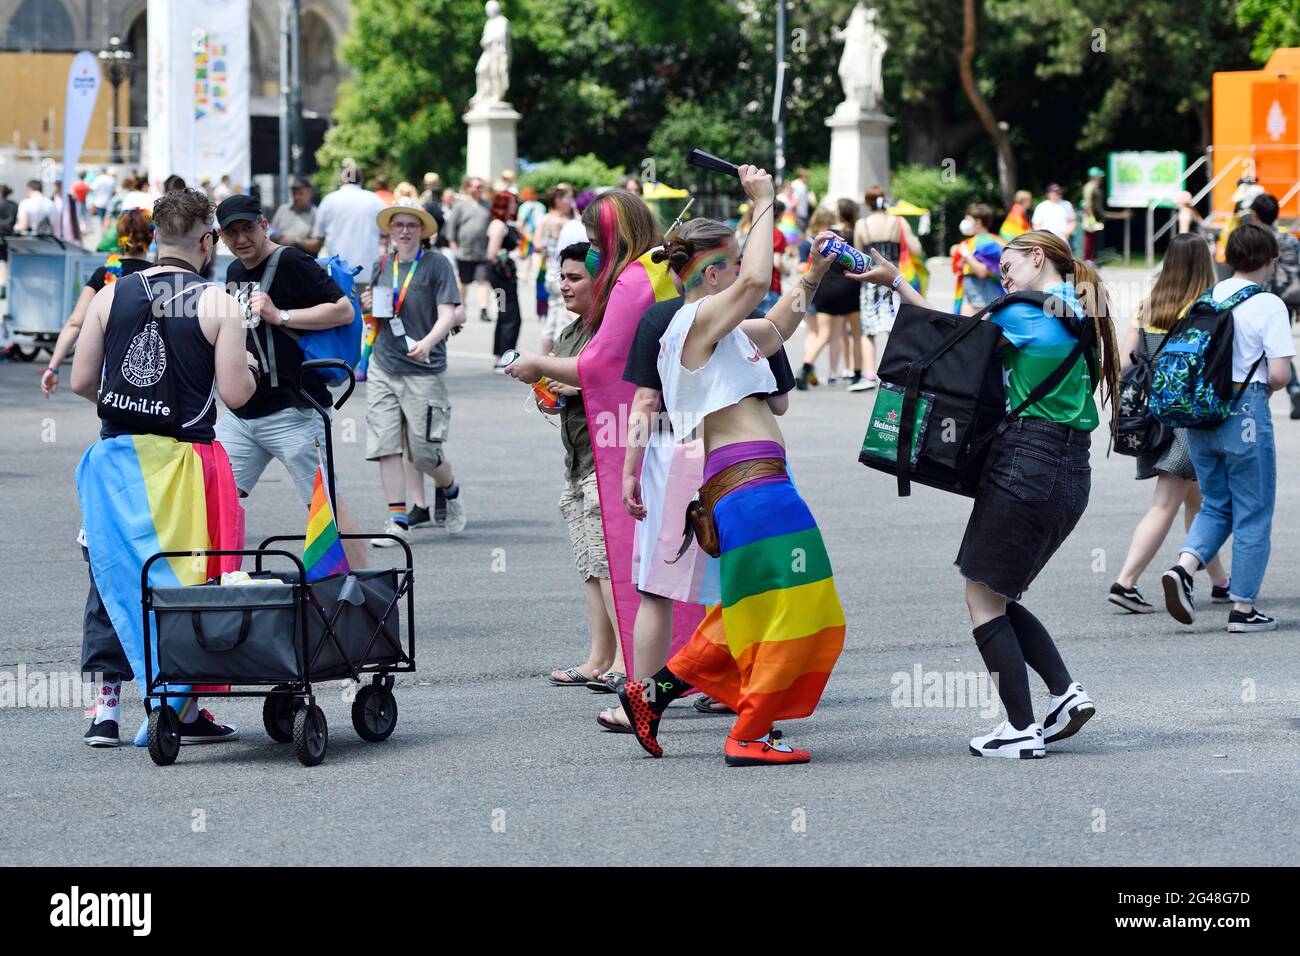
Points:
point(693, 274)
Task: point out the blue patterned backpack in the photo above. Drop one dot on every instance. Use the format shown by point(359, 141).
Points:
point(1191, 372)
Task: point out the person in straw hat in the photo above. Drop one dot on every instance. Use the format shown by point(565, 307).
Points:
point(414, 299)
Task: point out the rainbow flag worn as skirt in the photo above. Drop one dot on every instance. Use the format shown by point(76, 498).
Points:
point(767, 649)
point(143, 494)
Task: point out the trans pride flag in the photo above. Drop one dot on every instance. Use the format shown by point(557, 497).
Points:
point(143, 494)
point(607, 398)
point(987, 249)
point(322, 552)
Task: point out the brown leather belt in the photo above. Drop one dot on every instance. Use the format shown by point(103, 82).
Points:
point(699, 513)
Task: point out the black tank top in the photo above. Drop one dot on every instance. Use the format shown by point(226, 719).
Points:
point(147, 312)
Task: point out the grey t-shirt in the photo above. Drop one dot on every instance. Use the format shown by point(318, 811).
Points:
point(291, 224)
point(467, 226)
point(433, 284)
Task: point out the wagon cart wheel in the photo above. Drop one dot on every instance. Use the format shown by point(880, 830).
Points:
point(277, 715)
point(164, 735)
point(374, 713)
point(29, 355)
point(310, 735)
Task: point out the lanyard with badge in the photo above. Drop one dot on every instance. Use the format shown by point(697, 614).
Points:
point(395, 324)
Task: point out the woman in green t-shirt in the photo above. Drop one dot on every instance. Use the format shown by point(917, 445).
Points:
point(1036, 484)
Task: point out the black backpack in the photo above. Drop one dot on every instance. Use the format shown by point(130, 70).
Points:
point(949, 369)
point(1137, 430)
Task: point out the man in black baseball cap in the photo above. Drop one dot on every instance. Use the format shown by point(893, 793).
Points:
point(239, 208)
point(290, 295)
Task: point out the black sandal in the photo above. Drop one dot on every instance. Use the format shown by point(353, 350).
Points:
point(612, 726)
point(575, 678)
point(711, 705)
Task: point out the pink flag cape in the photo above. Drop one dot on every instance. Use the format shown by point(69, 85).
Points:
point(607, 399)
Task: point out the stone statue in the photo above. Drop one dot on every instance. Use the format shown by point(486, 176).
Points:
point(864, 50)
point(493, 69)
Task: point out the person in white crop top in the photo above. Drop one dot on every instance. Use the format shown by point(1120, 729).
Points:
point(763, 663)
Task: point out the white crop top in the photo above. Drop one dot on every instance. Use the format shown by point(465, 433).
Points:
point(736, 369)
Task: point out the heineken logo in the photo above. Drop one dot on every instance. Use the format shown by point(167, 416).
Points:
point(892, 415)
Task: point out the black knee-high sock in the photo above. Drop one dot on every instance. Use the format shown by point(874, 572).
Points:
point(996, 640)
point(1039, 649)
point(665, 688)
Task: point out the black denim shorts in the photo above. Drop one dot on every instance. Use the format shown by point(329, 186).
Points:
point(1034, 491)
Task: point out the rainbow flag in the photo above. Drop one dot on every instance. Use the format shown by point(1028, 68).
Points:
point(367, 344)
point(144, 494)
point(987, 248)
point(767, 649)
point(789, 227)
point(913, 268)
point(322, 552)
point(1014, 224)
point(607, 397)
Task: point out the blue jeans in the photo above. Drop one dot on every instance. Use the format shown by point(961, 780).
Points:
point(1236, 468)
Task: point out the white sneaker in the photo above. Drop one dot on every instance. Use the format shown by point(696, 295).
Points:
point(863, 385)
point(456, 513)
point(1067, 714)
point(1006, 741)
point(394, 529)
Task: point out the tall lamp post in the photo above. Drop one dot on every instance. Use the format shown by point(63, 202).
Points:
point(117, 64)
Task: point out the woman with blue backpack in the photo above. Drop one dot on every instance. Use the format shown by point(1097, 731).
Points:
point(1188, 270)
point(1037, 477)
point(1214, 376)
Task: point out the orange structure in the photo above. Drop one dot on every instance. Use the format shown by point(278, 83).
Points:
point(1257, 130)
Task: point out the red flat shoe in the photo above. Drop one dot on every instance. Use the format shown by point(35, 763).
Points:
point(762, 753)
point(645, 723)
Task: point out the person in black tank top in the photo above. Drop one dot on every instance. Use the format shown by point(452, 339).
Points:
point(156, 349)
point(502, 239)
point(176, 338)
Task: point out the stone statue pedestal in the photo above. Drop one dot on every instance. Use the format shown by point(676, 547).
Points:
point(493, 143)
point(859, 152)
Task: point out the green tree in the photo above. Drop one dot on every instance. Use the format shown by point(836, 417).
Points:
point(413, 74)
point(1276, 22)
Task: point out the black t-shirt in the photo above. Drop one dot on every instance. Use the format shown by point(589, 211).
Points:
point(299, 283)
point(642, 361)
point(129, 266)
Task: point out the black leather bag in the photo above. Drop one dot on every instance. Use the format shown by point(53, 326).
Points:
point(956, 361)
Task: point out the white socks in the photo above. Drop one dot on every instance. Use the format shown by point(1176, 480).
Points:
point(108, 701)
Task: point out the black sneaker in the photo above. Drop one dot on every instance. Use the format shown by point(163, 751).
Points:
point(102, 734)
point(1130, 599)
point(205, 730)
point(483, 316)
point(439, 507)
point(1178, 594)
point(1239, 622)
point(1219, 595)
point(1295, 403)
point(418, 517)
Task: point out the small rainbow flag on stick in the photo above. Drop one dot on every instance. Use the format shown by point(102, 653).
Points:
point(322, 553)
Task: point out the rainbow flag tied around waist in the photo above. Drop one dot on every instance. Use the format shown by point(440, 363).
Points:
point(144, 494)
point(766, 651)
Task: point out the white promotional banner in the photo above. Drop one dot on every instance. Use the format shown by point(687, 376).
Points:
point(83, 88)
point(199, 76)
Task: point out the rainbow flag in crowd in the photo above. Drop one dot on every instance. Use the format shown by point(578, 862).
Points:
point(987, 248)
point(322, 552)
point(789, 227)
point(367, 344)
point(145, 494)
point(913, 268)
point(1014, 224)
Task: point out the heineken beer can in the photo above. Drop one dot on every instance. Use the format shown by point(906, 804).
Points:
point(850, 258)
